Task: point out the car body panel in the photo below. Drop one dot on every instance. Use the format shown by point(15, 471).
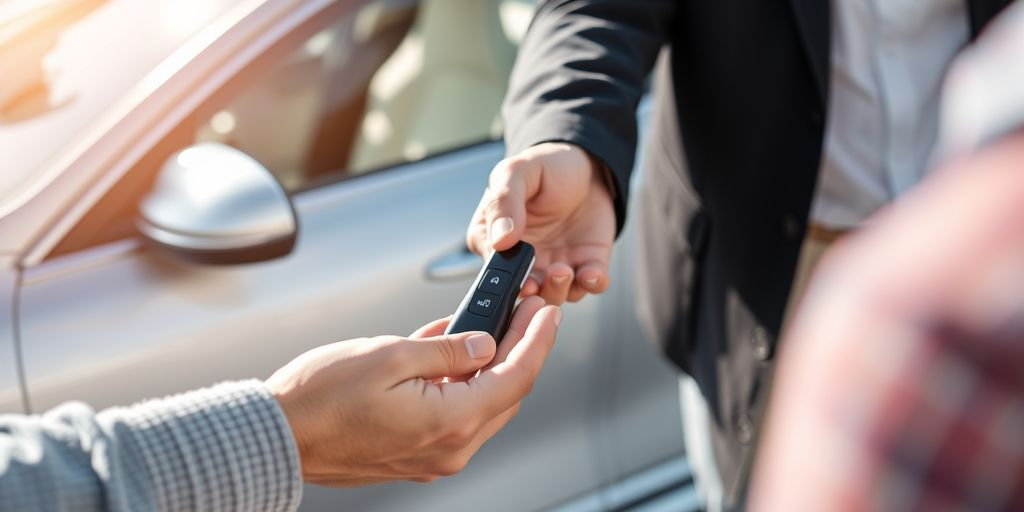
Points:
point(10, 385)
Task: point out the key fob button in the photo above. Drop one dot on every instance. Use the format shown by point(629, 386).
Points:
point(495, 281)
point(489, 304)
point(483, 303)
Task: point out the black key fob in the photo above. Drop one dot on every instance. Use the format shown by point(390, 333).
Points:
point(488, 305)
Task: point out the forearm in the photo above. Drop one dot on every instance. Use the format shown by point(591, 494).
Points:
point(579, 76)
point(228, 447)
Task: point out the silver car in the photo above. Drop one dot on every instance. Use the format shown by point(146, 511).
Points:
point(379, 122)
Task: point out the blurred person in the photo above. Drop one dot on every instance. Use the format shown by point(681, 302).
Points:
point(777, 128)
point(903, 381)
point(902, 385)
point(350, 413)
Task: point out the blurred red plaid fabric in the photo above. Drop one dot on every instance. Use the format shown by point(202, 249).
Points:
point(940, 424)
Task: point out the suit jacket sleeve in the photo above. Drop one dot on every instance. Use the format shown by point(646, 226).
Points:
point(579, 76)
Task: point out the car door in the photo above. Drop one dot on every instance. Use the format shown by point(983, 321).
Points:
point(10, 386)
point(385, 168)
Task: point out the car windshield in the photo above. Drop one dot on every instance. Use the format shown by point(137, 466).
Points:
point(64, 62)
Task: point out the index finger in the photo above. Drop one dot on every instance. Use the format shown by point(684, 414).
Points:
point(434, 328)
point(500, 387)
point(517, 328)
point(524, 313)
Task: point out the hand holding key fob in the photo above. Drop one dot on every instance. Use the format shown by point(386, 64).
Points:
point(489, 303)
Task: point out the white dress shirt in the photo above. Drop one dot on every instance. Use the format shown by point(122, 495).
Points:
point(888, 62)
point(983, 96)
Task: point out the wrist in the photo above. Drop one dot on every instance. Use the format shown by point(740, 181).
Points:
point(292, 414)
point(601, 173)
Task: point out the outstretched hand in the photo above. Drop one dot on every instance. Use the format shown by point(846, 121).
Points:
point(552, 196)
point(376, 409)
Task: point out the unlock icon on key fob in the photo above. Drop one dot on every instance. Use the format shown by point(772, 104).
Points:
point(484, 303)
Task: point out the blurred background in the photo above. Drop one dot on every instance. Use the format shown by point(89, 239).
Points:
point(379, 122)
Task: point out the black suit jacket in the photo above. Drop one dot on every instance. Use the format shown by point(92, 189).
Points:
point(744, 83)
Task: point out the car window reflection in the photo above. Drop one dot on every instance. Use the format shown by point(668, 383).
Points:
point(395, 82)
point(29, 31)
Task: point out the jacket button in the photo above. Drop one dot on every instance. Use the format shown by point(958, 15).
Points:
point(791, 227)
point(759, 341)
point(744, 429)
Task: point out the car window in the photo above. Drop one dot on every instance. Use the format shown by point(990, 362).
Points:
point(399, 81)
point(396, 81)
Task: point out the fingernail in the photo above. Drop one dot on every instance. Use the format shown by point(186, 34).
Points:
point(479, 346)
point(500, 228)
point(590, 282)
point(558, 316)
point(559, 279)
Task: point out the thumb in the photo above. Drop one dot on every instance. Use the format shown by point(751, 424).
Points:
point(511, 184)
point(450, 355)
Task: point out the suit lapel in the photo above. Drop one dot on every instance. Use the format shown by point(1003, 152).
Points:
point(981, 12)
point(813, 18)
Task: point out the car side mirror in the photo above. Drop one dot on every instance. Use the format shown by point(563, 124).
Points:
point(213, 203)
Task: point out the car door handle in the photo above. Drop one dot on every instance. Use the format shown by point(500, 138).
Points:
point(458, 264)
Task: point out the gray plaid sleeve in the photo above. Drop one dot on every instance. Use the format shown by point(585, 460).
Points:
point(228, 447)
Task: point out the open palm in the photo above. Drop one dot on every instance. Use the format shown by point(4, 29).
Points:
point(551, 196)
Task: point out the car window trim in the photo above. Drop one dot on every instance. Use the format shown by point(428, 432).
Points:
point(335, 178)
